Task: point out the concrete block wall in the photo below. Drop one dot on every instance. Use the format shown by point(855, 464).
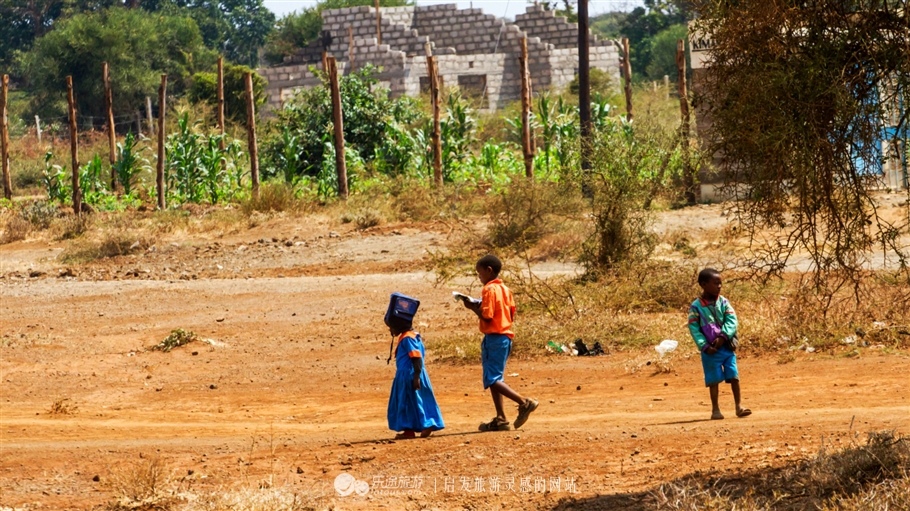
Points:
point(467, 43)
point(553, 29)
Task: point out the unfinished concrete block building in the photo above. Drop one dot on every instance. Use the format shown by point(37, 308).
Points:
point(476, 51)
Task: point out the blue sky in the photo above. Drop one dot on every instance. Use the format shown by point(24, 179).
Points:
point(501, 8)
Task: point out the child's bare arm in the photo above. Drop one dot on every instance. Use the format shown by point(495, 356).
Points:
point(417, 362)
point(475, 308)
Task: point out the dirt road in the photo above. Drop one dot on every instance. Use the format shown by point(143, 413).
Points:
point(294, 390)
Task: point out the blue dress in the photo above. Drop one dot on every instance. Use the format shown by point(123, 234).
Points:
point(410, 409)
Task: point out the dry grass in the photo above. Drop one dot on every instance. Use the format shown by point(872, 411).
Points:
point(859, 477)
point(62, 406)
point(276, 197)
point(144, 485)
point(264, 499)
point(111, 242)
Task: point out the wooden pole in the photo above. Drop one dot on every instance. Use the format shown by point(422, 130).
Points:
point(220, 112)
point(526, 110)
point(378, 24)
point(325, 61)
point(109, 110)
point(251, 133)
point(351, 48)
point(337, 121)
point(74, 146)
point(38, 127)
point(148, 115)
point(667, 85)
point(433, 74)
point(162, 111)
point(688, 177)
point(627, 75)
point(4, 138)
point(584, 89)
point(137, 118)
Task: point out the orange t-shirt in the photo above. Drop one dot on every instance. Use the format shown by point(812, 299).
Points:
point(497, 306)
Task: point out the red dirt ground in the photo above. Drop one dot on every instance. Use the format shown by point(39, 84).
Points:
point(297, 392)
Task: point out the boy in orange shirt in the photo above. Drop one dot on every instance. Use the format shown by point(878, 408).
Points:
point(496, 311)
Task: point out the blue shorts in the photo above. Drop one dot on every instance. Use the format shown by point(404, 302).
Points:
point(494, 351)
point(719, 367)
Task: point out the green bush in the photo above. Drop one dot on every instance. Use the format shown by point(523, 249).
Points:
point(298, 138)
point(205, 89)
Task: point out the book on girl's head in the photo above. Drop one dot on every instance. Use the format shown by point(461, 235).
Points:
point(464, 298)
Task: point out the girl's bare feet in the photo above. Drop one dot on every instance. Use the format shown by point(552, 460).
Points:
point(717, 416)
point(426, 433)
point(406, 435)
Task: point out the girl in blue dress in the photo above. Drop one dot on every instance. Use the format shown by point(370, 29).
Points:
point(412, 405)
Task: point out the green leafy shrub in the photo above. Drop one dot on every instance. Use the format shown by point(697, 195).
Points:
point(204, 88)
point(297, 143)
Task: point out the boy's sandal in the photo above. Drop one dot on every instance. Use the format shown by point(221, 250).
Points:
point(405, 435)
point(745, 412)
point(524, 411)
point(496, 424)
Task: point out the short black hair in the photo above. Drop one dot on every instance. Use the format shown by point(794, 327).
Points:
point(399, 324)
point(707, 274)
point(490, 261)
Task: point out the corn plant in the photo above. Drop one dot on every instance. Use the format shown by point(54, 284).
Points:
point(198, 169)
point(130, 163)
point(92, 181)
point(288, 157)
point(54, 179)
point(456, 133)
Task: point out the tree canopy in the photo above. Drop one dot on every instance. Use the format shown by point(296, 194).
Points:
point(138, 45)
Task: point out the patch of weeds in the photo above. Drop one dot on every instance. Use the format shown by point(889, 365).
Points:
point(70, 227)
point(62, 406)
point(175, 339)
point(680, 242)
point(15, 228)
point(112, 243)
point(170, 220)
point(527, 211)
point(39, 213)
point(141, 486)
point(363, 218)
point(274, 197)
point(858, 477)
point(785, 358)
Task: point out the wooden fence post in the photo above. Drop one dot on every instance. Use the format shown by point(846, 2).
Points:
point(378, 24)
point(38, 127)
point(435, 139)
point(148, 115)
point(627, 74)
point(220, 111)
point(4, 139)
point(162, 110)
point(351, 48)
point(688, 177)
point(325, 61)
point(337, 121)
point(251, 133)
point(526, 140)
point(109, 113)
point(74, 146)
point(667, 85)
